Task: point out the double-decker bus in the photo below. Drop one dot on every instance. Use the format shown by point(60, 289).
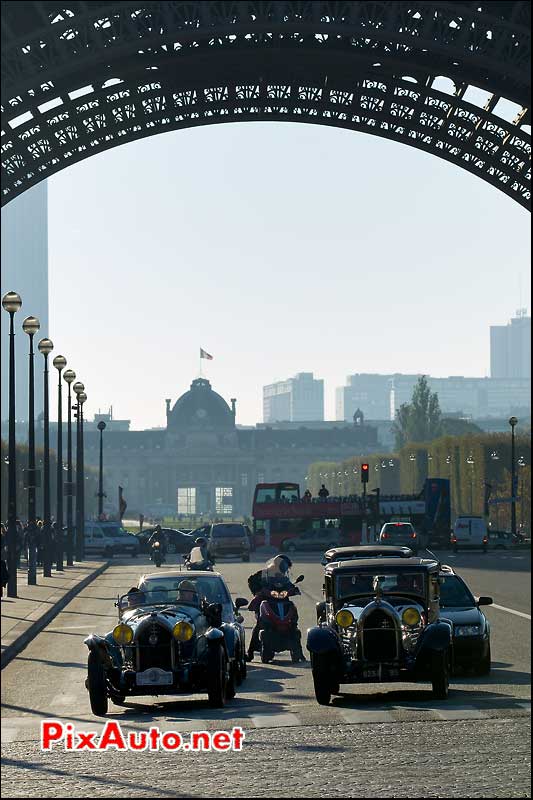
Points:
point(280, 514)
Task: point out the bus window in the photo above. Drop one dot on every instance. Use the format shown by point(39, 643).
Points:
point(265, 495)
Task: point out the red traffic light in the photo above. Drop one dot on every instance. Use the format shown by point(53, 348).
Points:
point(365, 471)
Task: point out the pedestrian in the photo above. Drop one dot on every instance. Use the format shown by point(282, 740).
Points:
point(307, 496)
point(323, 493)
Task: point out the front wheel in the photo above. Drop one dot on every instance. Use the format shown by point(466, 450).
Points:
point(216, 677)
point(483, 666)
point(323, 684)
point(246, 557)
point(96, 685)
point(440, 677)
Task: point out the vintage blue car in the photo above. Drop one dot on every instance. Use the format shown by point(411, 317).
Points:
point(382, 623)
point(176, 634)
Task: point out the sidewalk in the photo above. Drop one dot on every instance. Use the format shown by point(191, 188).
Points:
point(23, 617)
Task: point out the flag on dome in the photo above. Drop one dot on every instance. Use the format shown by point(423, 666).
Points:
point(205, 354)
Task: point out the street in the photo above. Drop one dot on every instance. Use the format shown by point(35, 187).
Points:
point(372, 741)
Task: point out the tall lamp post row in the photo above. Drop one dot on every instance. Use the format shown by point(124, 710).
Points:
point(11, 303)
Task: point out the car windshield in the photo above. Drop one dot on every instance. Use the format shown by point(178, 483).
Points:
point(169, 589)
point(454, 593)
point(226, 531)
point(363, 583)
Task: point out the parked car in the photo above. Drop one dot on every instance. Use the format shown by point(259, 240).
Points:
point(400, 533)
point(313, 539)
point(123, 540)
point(470, 627)
point(383, 623)
point(501, 540)
point(229, 539)
point(97, 543)
point(365, 551)
point(176, 634)
point(470, 533)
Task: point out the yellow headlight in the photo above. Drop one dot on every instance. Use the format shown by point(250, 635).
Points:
point(183, 631)
point(122, 634)
point(411, 616)
point(344, 618)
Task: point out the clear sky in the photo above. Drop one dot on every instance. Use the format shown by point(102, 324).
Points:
point(278, 248)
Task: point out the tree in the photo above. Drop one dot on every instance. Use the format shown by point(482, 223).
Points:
point(419, 420)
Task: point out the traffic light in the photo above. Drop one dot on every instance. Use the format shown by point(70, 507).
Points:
point(365, 472)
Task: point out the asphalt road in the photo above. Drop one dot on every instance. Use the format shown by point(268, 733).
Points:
point(373, 741)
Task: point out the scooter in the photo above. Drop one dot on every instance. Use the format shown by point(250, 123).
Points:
point(278, 619)
point(196, 561)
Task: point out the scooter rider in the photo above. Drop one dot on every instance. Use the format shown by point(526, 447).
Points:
point(159, 536)
point(199, 556)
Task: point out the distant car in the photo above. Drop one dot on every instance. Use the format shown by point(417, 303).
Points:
point(177, 541)
point(470, 627)
point(470, 533)
point(229, 539)
point(96, 543)
point(123, 540)
point(313, 539)
point(501, 540)
point(365, 551)
point(400, 533)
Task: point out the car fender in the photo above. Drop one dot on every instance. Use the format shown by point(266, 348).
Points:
point(436, 637)
point(231, 638)
point(216, 638)
point(322, 640)
point(99, 645)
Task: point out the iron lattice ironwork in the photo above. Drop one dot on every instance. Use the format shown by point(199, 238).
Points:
point(83, 78)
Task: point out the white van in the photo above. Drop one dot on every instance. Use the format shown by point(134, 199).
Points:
point(96, 542)
point(470, 532)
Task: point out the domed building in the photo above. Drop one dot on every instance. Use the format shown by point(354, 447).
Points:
point(202, 462)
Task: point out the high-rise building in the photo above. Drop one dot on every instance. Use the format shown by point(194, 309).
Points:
point(299, 399)
point(24, 258)
point(369, 393)
point(510, 348)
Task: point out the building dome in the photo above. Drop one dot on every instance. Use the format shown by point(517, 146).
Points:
point(200, 409)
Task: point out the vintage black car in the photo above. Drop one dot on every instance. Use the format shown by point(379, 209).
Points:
point(470, 627)
point(365, 551)
point(176, 634)
point(382, 624)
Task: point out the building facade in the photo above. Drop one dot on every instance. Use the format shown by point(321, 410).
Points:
point(24, 259)
point(510, 348)
point(299, 399)
point(203, 463)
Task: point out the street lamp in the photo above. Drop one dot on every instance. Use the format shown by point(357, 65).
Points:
point(101, 427)
point(11, 303)
point(45, 347)
point(513, 422)
point(470, 460)
point(412, 459)
point(69, 375)
point(30, 326)
point(80, 488)
point(59, 362)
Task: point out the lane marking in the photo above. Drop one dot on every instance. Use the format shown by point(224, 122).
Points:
point(458, 714)
point(511, 611)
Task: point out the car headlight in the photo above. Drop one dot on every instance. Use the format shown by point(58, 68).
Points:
point(183, 631)
point(344, 618)
point(411, 616)
point(122, 634)
point(467, 630)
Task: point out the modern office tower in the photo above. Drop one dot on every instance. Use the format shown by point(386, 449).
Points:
point(24, 258)
point(370, 393)
point(299, 399)
point(510, 348)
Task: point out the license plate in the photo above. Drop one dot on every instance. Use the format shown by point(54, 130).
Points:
point(154, 677)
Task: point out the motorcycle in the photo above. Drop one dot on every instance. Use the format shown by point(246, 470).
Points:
point(195, 560)
point(278, 620)
point(156, 554)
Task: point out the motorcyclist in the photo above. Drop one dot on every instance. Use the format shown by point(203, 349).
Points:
point(199, 557)
point(159, 536)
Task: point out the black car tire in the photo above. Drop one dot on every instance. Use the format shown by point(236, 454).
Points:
point(117, 699)
point(216, 677)
point(246, 557)
point(322, 681)
point(483, 666)
point(134, 554)
point(96, 684)
point(440, 675)
point(231, 685)
point(108, 553)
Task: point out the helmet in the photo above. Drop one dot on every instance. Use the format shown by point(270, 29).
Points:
point(200, 540)
point(282, 562)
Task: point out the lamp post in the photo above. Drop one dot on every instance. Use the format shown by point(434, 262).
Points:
point(80, 534)
point(30, 326)
point(69, 375)
point(513, 422)
point(101, 495)
point(470, 460)
point(59, 362)
point(412, 459)
point(11, 303)
point(45, 347)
